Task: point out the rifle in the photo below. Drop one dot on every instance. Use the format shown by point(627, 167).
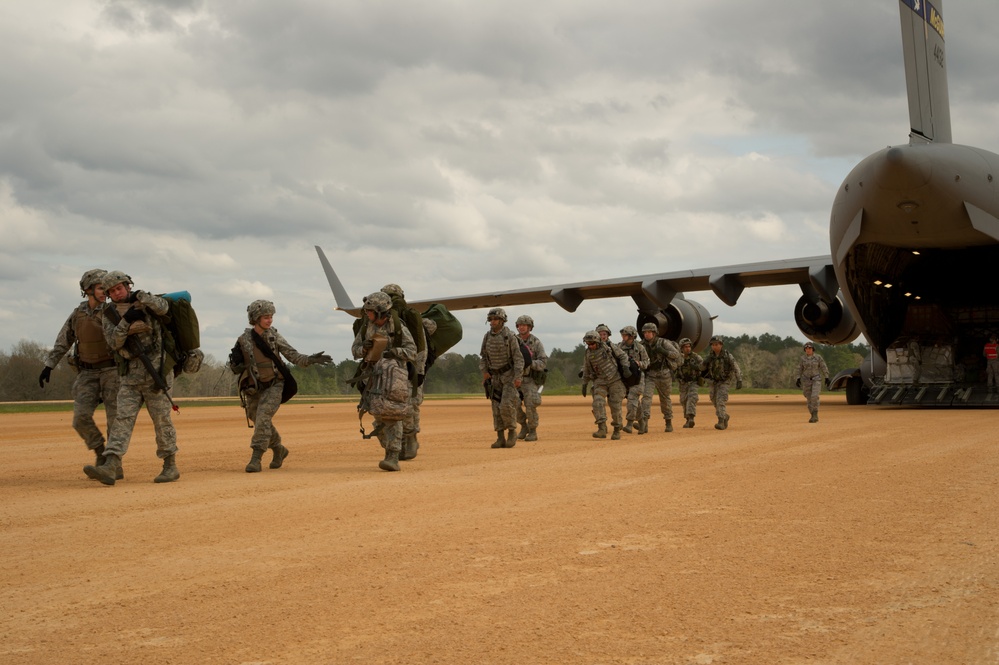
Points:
point(134, 347)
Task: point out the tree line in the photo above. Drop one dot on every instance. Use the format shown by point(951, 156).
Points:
point(768, 362)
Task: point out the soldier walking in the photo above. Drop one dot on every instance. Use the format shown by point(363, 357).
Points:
point(534, 377)
point(256, 357)
point(97, 376)
point(133, 331)
point(689, 376)
point(812, 371)
point(637, 353)
point(663, 358)
point(720, 368)
point(411, 318)
point(502, 365)
point(601, 361)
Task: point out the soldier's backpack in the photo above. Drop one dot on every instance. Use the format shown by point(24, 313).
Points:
point(181, 333)
point(448, 332)
point(636, 374)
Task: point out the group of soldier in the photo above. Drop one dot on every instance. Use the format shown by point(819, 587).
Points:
point(119, 355)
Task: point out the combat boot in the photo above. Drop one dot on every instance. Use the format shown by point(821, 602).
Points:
point(253, 466)
point(107, 473)
point(169, 472)
point(523, 432)
point(689, 423)
point(409, 446)
point(643, 426)
point(722, 422)
point(815, 416)
point(601, 432)
point(628, 428)
point(511, 438)
point(669, 425)
point(616, 436)
point(532, 434)
point(280, 452)
point(99, 460)
point(391, 461)
point(500, 441)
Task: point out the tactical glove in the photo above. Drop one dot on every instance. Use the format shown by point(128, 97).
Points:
point(320, 359)
point(580, 375)
point(738, 384)
point(134, 296)
point(797, 382)
point(43, 378)
point(828, 384)
point(133, 315)
point(584, 390)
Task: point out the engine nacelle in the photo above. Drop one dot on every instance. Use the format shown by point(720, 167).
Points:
point(825, 322)
point(683, 318)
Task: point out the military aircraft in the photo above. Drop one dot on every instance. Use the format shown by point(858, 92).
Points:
point(913, 232)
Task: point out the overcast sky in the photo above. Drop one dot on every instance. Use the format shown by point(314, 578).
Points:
point(450, 147)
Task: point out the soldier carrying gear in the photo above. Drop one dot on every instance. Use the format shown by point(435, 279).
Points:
point(634, 393)
point(602, 363)
point(535, 373)
point(689, 376)
point(501, 363)
point(413, 320)
point(664, 357)
point(496, 313)
point(720, 368)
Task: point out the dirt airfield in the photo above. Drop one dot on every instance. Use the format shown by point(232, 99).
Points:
point(870, 537)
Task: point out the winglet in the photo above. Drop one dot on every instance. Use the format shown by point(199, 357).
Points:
point(343, 302)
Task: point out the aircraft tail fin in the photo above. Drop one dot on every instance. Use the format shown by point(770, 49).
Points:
point(925, 70)
point(339, 293)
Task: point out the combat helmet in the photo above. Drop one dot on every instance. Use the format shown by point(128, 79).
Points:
point(630, 331)
point(591, 336)
point(92, 278)
point(808, 345)
point(393, 290)
point(716, 338)
point(603, 327)
point(259, 308)
point(378, 302)
point(497, 313)
point(525, 320)
point(113, 279)
point(685, 342)
point(650, 327)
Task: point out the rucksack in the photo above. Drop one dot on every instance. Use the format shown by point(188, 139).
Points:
point(448, 332)
point(181, 333)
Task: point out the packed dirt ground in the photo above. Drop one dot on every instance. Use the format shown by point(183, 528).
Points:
point(869, 537)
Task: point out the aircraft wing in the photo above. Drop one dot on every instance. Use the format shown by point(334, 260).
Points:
point(650, 292)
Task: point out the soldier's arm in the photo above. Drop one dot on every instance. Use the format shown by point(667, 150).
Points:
point(288, 351)
point(643, 357)
point(407, 350)
point(516, 356)
point(63, 343)
point(155, 304)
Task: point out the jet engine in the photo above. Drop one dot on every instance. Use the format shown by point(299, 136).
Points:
point(682, 318)
point(825, 322)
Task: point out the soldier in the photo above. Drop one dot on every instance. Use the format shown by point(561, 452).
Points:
point(663, 358)
point(720, 368)
point(601, 361)
point(689, 376)
point(812, 371)
point(97, 376)
point(991, 353)
point(382, 328)
point(637, 353)
point(502, 365)
point(414, 323)
point(256, 357)
point(134, 333)
point(534, 377)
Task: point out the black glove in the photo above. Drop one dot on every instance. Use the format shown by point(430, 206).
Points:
point(584, 390)
point(133, 315)
point(134, 296)
point(797, 382)
point(580, 375)
point(828, 384)
point(368, 343)
point(738, 384)
point(320, 359)
point(43, 378)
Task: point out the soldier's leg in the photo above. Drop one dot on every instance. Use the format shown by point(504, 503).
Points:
point(632, 412)
point(600, 411)
point(648, 385)
point(129, 403)
point(508, 412)
point(616, 394)
point(159, 409)
point(390, 437)
point(500, 441)
point(666, 398)
point(110, 383)
point(720, 404)
point(86, 397)
point(532, 399)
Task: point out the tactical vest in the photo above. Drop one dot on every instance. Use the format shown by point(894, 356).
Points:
point(719, 367)
point(689, 369)
point(91, 347)
point(265, 366)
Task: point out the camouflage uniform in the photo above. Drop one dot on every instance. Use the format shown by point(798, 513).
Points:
point(812, 371)
point(501, 358)
point(720, 368)
point(663, 357)
point(689, 376)
point(414, 323)
point(137, 386)
point(635, 351)
point(97, 377)
point(527, 410)
point(402, 349)
point(261, 384)
point(600, 365)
